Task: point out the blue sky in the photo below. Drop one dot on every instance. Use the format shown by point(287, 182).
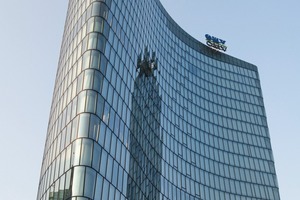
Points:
point(265, 33)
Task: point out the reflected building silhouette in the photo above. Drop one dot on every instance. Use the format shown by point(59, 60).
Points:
point(146, 140)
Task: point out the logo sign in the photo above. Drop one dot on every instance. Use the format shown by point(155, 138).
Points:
point(215, 42)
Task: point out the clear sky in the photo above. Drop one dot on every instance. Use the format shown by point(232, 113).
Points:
point(265, 33)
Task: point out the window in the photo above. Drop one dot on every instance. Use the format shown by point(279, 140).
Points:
point(78, 181)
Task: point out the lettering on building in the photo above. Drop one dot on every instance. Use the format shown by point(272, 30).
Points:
point(215, 42)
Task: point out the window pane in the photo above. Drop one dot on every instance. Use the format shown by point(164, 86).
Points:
point(78, 180)
point(96, 8)
point(94, 127)
point(67, 185)
point(98, 78)
point(95, 60)
point(101, 43)
point(98, 24)
point(83, 127)
point(86, 59)
point(81, 102)
point(105, 190)
point(96, 156)
point(86, 152)
point(103, 64)
point(91, 100)
point(92, 44)
point(76, 152)
point(88, 79)
point(89, 183)
point(98, 191)
point(100, 105)
point(90, 26)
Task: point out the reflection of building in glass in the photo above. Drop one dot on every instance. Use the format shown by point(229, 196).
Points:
point(102, 126)
point(60, 195)
point(145, 140)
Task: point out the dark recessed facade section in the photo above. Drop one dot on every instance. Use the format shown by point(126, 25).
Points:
point(174, 121)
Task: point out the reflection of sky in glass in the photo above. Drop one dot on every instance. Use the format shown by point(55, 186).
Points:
point(106, 118)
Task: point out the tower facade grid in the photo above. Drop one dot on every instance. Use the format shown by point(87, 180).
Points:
point(186, 123)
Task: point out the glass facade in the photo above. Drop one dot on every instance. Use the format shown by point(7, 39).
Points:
point(145, 138)
point(187, 122)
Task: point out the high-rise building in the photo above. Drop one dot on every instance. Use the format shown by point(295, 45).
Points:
point(186, 122)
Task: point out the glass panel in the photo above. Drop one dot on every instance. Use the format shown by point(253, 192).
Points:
point(86, 152)
point(101, 43)
point(74, 128)
point(88, 79)
point(105, 190)
point(91, 100)
point(76, 153)
point(96, 9)
point(89, 183)
point(106, 116)
point(98, 24)
point(103, 163)
point(98, 78)
point(95, 60)
point(98, 191)
point(103, 64)
point(83, 127)
point(90, 26)
point(79, 83)
point(102, 134)
point(81, 102)
point(78, 180)
point(92, 44)
point(67, 185)
point(94, 127)
point(96, 156)
point(103, 11)
point(86, 59)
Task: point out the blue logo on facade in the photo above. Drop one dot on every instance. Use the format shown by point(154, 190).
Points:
point(215, 42)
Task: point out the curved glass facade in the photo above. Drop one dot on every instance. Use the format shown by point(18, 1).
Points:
point(190, 124)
